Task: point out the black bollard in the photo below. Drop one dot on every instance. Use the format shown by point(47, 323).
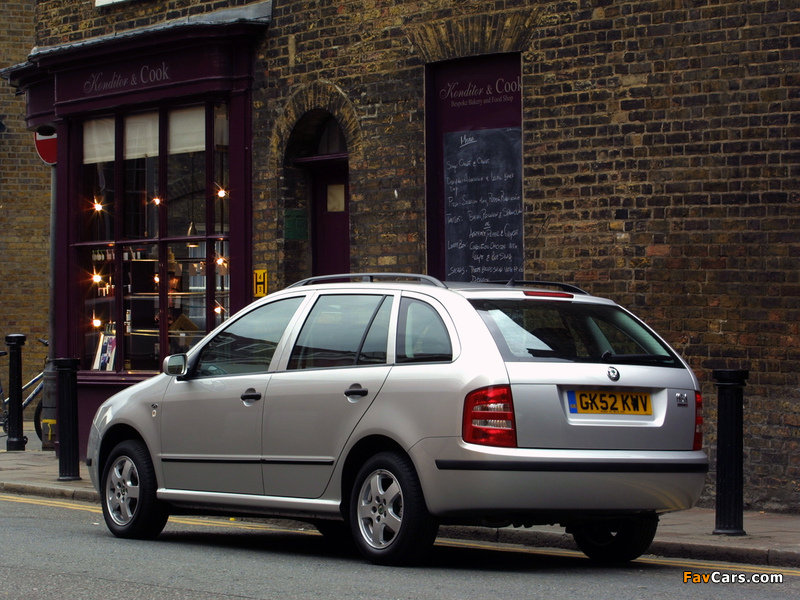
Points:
point(730, 452)
point(16, 439)
point(67, 389)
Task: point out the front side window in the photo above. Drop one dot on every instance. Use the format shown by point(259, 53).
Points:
point(154, 246)
point(248, 344)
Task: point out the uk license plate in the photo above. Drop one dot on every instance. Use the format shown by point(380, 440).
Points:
point(609, 403)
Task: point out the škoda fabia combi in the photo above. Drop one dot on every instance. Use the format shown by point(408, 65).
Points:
point(381, 406)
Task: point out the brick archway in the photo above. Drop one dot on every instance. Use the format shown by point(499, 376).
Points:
point(294, 138)
point(309, 99)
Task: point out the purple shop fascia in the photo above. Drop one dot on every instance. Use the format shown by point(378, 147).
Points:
point(193, 59)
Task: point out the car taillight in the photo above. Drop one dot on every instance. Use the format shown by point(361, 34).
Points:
point(698, 421)
point(489, 417)
point(540, 294)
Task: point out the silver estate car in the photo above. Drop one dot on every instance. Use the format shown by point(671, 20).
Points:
point(379, 406)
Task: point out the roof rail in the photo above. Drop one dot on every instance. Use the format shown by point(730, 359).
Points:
point(368, 277)
point(567, 287)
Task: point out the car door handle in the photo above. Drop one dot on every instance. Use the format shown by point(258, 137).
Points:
point(356, 391)
point(250, 395)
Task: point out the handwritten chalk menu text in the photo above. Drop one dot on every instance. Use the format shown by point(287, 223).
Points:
point(483, 204)
point(474, 168)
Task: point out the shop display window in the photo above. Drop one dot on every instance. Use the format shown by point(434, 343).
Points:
point(154, 254)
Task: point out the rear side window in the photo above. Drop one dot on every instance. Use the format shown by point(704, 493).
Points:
point(343, 330)
point(532, 330)
point(421, 334)
point(248, 344)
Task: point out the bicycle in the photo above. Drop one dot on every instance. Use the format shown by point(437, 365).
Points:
point(38, 385)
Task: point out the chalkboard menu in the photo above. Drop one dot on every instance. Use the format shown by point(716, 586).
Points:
point(483, 204)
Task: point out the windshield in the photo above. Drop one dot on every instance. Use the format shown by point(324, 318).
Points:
point(532, 330)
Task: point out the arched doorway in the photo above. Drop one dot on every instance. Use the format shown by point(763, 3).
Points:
point(318, 150)
point(330, 218)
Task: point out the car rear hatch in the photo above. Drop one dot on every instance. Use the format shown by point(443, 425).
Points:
point(587, 375)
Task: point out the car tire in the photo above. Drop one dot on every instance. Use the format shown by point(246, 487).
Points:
point(389, 519)
point(618, 541)
point(128, 488)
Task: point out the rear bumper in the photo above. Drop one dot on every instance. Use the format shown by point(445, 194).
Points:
point(569, 466)
point(464, 480)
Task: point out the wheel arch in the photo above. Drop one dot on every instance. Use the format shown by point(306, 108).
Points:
point(111, 438)
point(358, 455)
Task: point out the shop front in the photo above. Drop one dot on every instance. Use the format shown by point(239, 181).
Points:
point(152, 244)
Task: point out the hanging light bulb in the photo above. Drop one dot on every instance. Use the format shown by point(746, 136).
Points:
point(192, 233)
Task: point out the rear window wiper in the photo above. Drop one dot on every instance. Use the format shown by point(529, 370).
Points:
point(608, 356)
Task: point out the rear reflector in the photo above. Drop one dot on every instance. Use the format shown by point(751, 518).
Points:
point(489, 417)
point(698, 421)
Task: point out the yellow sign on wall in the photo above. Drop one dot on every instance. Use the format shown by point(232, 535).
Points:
point(259, 283)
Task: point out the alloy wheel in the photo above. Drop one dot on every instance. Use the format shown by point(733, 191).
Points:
point(380, 510)
point(122, 490)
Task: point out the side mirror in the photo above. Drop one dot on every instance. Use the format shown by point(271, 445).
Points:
point(175, 365)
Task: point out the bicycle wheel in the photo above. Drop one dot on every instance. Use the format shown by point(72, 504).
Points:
point(37, 420)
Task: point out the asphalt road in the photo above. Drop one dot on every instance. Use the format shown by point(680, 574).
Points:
point(62, 550)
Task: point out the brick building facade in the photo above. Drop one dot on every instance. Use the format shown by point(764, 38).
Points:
point(660, 160)
point(24, 205)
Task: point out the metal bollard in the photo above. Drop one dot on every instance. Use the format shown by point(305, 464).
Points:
point(16, 440)
point(730, 452)
point(68, 454)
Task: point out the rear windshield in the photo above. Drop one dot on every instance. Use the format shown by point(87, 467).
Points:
point(532, 330)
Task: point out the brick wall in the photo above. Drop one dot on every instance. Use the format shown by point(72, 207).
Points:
point(661, 161)
point(24, 205)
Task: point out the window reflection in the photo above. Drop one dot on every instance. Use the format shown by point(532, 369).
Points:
point(98, 179)
point(141, 175)
point(186, 172)
point(186, 295)
point(154, 280)
point(140, 303)
point(99, 314)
